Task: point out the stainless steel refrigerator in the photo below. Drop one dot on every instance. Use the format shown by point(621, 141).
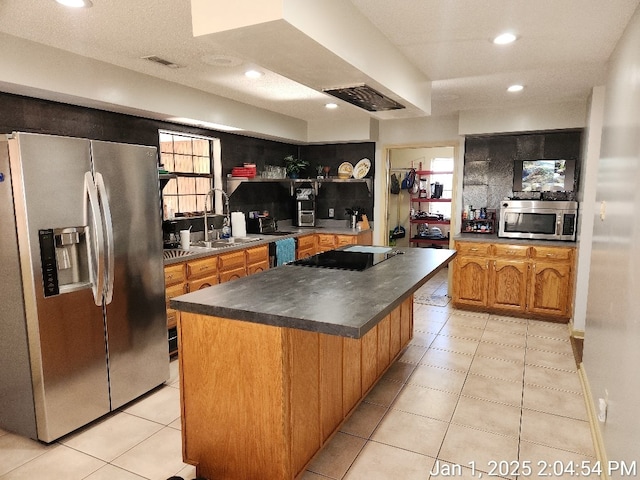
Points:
point(82, 310)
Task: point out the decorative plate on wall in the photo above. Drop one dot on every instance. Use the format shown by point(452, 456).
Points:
point(362, 168)
point(345, 170)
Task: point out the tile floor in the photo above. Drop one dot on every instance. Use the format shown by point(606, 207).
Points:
point(469, 388)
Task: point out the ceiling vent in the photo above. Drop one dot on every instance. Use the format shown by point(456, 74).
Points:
point(161, 61)
point(365, 97)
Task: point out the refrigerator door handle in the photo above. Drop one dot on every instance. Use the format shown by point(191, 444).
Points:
point(108, 235)
point(95, 241)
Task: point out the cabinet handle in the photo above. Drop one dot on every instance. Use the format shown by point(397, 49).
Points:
point(169, 277)
point(474, 250)
point(203, 268)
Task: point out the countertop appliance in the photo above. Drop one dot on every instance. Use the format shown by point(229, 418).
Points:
point(305, 207)
point(538, 219)
point(83, 327)
point(345, 260)
point(262, 225)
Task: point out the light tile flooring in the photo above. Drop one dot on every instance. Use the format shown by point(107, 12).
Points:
point(470, 389)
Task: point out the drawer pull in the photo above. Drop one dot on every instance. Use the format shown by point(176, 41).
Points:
point(203, 268)
point(474, 249)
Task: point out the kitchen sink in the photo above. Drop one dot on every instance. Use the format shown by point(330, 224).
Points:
point(224, 243)
point(202, 246)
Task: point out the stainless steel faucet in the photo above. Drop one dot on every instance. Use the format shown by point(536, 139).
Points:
point(210, 193)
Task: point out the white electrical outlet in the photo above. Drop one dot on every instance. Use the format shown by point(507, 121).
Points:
point(331, 213)
point(603, 210)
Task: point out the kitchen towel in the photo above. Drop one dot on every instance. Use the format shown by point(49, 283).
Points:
point(238, 225)
point(285, 251)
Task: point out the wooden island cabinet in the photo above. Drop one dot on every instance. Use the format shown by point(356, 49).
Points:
point(267, 378)
point(536, 281)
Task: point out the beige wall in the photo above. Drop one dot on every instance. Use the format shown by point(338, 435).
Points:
point(612, 332)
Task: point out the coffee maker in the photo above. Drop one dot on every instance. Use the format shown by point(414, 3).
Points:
point(304, 207)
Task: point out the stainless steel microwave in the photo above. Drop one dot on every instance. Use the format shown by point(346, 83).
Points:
point(538, 219)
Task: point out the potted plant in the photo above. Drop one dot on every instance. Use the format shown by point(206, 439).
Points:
point(294, 165)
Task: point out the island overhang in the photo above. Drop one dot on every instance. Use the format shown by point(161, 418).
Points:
point(323, 300)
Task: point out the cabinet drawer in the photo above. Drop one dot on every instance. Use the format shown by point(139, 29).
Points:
point(203, 267)
point(326, 241)
point(201, 283)
point(257, 254)
point(346, 240)
point(511, 251)
point(552, 253)
point(174, 291)
point(306, 242)
point(232, 260)
point(174, 274)
point(473, 248)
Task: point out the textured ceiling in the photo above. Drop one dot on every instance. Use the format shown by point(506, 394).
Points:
point(561, 53)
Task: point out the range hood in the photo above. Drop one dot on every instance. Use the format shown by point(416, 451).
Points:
point(364, 96)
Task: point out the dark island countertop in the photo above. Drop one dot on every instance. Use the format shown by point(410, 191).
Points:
point(335, 302)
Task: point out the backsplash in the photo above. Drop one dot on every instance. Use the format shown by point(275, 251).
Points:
point(489, 165)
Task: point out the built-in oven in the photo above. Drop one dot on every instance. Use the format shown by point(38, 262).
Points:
point(538, 219)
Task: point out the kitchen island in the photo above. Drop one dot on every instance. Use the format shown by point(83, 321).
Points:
point(272, 364)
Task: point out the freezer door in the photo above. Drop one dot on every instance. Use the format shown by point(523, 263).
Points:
point(136, 316)
point(65, 331)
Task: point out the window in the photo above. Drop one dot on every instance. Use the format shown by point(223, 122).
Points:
point(190, 159)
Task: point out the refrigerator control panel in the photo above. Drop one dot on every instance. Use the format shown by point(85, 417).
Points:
point(48, 258)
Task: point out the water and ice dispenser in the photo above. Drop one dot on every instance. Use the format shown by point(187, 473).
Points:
point(63, 253)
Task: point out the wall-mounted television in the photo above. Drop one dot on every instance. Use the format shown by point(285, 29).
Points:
point(543, 175)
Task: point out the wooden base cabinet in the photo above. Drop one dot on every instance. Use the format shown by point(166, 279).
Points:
point(260, 401)
point(550, 289)
point(514, 279)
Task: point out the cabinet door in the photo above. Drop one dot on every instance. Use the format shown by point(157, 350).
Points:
point(305, 253)
point(470, 281)
point(257, 267)
point(365, 238)
point(229, 275)
point(307, 242)
point(508, 285)
point(201, 283)
point(550, 288)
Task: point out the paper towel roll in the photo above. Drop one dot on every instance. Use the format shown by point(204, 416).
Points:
point(238, 225)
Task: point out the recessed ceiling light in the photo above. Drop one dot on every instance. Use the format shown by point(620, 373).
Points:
point(76, 3)
point(515, 88)
point(253, 74)
point(504, 38)
point(331, 106)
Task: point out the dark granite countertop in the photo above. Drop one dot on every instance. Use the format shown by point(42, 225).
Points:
point(335, 302)
point(493, 238)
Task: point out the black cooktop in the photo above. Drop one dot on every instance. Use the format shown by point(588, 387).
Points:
point(346, 260)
